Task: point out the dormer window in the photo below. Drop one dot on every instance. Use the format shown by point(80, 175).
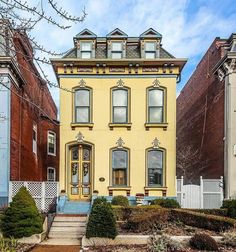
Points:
point(116, 50)
point(150, 50)
point(86, 50)
point(233, 48)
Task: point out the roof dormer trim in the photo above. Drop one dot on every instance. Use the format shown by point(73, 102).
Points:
point(117, 33)
point(86, 34)
point(150, 33)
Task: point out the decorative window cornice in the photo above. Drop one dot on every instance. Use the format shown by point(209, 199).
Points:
point(120, 143)
point(156, 83)
point(82, 83)
point(120, 83)
point(79, 138)
point(156, 143)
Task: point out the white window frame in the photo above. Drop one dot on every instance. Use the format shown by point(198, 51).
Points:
point(116, 52)
point(34, 141)
point(150, 51)
point(55, 138)
point(86, 51)
point(54, 174)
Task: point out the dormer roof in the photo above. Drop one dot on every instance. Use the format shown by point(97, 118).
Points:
point(117, 33)
point(86, 33)
point(151, 33)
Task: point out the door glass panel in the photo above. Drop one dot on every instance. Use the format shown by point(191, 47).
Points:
point(86, 190)
point(74, 173)
point(74, 190)
point(75, 154)
point(85, 173)
point(86, 155)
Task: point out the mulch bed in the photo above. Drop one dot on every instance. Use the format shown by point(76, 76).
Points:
point(55, 248)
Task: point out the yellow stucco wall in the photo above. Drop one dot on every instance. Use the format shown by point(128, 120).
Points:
point(138, 139)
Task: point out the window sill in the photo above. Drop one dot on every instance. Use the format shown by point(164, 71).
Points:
point(121, 188)
point(80, 125)
point(120, 125)
point(155, 188)
point(156, 125)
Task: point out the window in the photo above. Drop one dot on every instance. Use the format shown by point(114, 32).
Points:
point(150, 50)
point(51, 174)
point(155, 167)
point(82, 106)
point(120, 105)
point(116, 50)
point(86, 50)
point(34, 145)
point(233, 48)
point(155, 106)
point(51, 143)
point(119, 167)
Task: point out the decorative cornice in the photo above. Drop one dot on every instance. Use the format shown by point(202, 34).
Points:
point(120, 143)
point(79, 138)
point(82, 83)
point(156, 143)
point(120, 83)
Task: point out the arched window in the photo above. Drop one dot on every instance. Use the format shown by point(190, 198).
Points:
point(82, 101)
point(155, 167)
point(155, 105)
point(120, 105)
point(120, 167)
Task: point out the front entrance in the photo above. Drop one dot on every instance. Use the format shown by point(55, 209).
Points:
point(79, 172)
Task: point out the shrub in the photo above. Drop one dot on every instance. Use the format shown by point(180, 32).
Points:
point(99, 200)
point(162, 244)
point(230, 205)
point(101, 221)
point(8, 245)
point(167, 203)
point(120, 201)
point(22, 217)
point(218, 212)
point(229, 239)
point(204, 241)
point(201, 220)
point(150, 221)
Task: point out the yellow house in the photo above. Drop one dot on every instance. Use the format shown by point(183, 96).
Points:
point(118, 117)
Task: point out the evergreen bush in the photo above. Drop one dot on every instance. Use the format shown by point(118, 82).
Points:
point(230, 205)
point(120, 201)
point(101, 221)
point(99, 200)
point(204, 241)
point(22, 217)
point(167, 203)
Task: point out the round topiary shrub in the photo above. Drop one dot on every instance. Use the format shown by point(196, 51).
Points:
point(204, 241)
point(22, 217)
point(120, 201)
point(167, 203)
point(101, 221)
point(99, 200)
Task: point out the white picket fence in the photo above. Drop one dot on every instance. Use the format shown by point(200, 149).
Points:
point(43, 192)
point(209, 194)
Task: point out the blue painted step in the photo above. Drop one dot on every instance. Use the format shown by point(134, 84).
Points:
point(76, 207)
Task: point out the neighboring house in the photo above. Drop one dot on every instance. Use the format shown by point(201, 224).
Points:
point(206, 118)
point(29, 130)
point(118, 126)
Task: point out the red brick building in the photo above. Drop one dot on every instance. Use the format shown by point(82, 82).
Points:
point(29, 141)
point(201, 113)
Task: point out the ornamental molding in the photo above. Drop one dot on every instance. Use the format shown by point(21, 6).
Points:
point(79, 138)
point(82, 83)
point(156, 143)
point(120, 83)
point(156, 83)
point(120, 143)
point(227, 68)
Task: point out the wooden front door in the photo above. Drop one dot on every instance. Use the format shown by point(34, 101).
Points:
point(79, 172)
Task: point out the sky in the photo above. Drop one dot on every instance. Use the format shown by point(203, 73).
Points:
point(188, 27)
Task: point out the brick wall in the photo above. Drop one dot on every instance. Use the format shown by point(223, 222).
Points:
point(200, 120)
point(26, 165)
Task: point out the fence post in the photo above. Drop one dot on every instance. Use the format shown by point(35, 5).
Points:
point(10, 192)
point(181, 191)
point(201, 192)
point(26, 185)
point(43, 196)
point(221, 189)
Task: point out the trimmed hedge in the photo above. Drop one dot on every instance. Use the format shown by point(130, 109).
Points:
point(148, 221)
point(120, 201)
point(102, 222)
point(230, 205)
point(22, 217)
point(201, 220)
point(124, 213)
point(218, 212)
point(167, 203)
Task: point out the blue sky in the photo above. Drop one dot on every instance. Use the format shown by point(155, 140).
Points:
point(188, 27)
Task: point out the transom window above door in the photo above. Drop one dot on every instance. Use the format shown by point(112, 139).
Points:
point(82, 102)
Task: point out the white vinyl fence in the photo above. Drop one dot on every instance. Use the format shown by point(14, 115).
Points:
point(43, 192)
point(209, 194)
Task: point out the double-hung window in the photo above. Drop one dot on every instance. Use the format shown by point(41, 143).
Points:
point(155, 167)
point(51, 143)
point(51, 174)
point(116, 50)
point(119, 167)
point(150, 50)
point(120, 105)
point(155, 106)
point(86, 50)
point(82, 106)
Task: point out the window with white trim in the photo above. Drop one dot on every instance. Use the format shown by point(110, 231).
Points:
point(150, 50)
point(86, 50)
point(34, 143)
point(116, 50)
point(51, 143)
point(51, 174)
point(120, 105)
